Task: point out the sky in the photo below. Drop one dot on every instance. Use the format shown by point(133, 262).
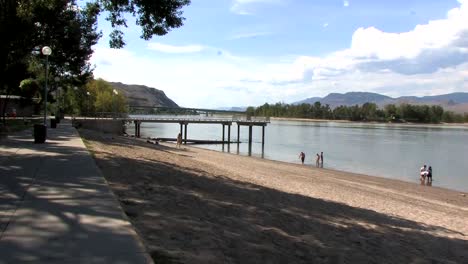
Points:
point(251, 52)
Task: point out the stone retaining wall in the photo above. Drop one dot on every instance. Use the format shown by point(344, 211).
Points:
point(102, 125)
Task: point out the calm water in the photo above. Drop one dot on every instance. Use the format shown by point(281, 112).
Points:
point(392, 151)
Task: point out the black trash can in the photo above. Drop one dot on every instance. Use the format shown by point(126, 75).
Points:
point(40, 133)
point(53, 123)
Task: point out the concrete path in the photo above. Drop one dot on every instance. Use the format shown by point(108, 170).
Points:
point(56, 207)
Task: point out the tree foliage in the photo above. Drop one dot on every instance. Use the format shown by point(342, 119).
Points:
point(102, 99)
point(365, 112)
point(70, 30)
point(156, 18)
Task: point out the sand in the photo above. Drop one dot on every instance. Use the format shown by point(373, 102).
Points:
point(192, 205)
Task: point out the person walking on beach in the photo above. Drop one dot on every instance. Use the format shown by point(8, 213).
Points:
point(423, 173)
point(321, 159)
point(317, 161)
point(179, 140)
point(302, 157)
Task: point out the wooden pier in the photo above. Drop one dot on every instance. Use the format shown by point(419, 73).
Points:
point(184, 122)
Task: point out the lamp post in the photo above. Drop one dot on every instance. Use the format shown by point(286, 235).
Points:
point(113, 96)
point(87, 102)
point(46, 51)
point(56, 79)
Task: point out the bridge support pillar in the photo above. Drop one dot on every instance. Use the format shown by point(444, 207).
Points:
point(185, 134)
point(137, 128)
point(238, 134)
point(181, 129)
point(250, 140)
point(263, 136)
point(223, 133)
point(229, 134)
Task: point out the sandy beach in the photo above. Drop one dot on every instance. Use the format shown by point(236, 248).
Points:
point(193, 205)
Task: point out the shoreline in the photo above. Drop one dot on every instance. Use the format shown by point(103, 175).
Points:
point(407, 124)
point(195, 205)
point(312, 166)
point(357, 174)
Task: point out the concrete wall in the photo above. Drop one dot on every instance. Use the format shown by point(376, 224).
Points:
point(102, 125)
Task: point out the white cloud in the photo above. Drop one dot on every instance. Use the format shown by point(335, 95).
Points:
point(175, 49)
point(430, 59)
point(345, 3)
point(325, 25)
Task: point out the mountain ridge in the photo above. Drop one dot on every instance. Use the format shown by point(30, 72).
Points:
point(457, 102)
point(145, 96)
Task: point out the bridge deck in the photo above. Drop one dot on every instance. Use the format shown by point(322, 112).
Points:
point(242, 122)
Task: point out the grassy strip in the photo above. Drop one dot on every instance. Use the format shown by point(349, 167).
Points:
point(88, 145)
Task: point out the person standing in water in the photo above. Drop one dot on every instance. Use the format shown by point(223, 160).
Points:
point(302, 157)
point(423, 173)
point(429, 176)
point(321, 159)
point(317, 161)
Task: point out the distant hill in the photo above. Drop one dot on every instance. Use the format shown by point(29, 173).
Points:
point(234, 108)
point(141, 95)
point(457, 102)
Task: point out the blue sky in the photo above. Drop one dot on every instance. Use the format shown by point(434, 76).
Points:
point(248, 52)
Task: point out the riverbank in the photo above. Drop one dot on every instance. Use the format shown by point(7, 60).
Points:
point(405, 124)
point(194, 205)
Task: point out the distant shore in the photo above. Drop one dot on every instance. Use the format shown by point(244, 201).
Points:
point(193, 205)
point(409, 124)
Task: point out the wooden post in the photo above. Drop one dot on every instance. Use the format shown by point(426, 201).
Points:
point(229, 134)
point(185, 134)
point(238, 133)
point(181, 131)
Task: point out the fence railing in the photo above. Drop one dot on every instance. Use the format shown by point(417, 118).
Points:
point(217, 118)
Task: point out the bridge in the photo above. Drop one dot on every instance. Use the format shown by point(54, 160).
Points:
point(226, 118)
point(185, 121)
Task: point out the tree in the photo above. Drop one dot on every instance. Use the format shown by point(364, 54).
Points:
point(71, 31)
point(101, 98)
point(156, 18)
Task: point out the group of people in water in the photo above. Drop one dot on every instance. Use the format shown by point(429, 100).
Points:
point(426, 175)
point(318, 160)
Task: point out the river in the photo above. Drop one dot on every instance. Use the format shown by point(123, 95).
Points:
point(384, 150)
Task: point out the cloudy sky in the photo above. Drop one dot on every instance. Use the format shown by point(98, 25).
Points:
point(248, 52)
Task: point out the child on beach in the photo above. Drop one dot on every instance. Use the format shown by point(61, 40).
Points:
point(179, 140)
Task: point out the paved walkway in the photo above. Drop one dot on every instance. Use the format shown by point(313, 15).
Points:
point(56, 207)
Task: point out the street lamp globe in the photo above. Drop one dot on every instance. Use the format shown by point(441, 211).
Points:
point(46, 50)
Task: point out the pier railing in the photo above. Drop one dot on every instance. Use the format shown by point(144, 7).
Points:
point(181, 118)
